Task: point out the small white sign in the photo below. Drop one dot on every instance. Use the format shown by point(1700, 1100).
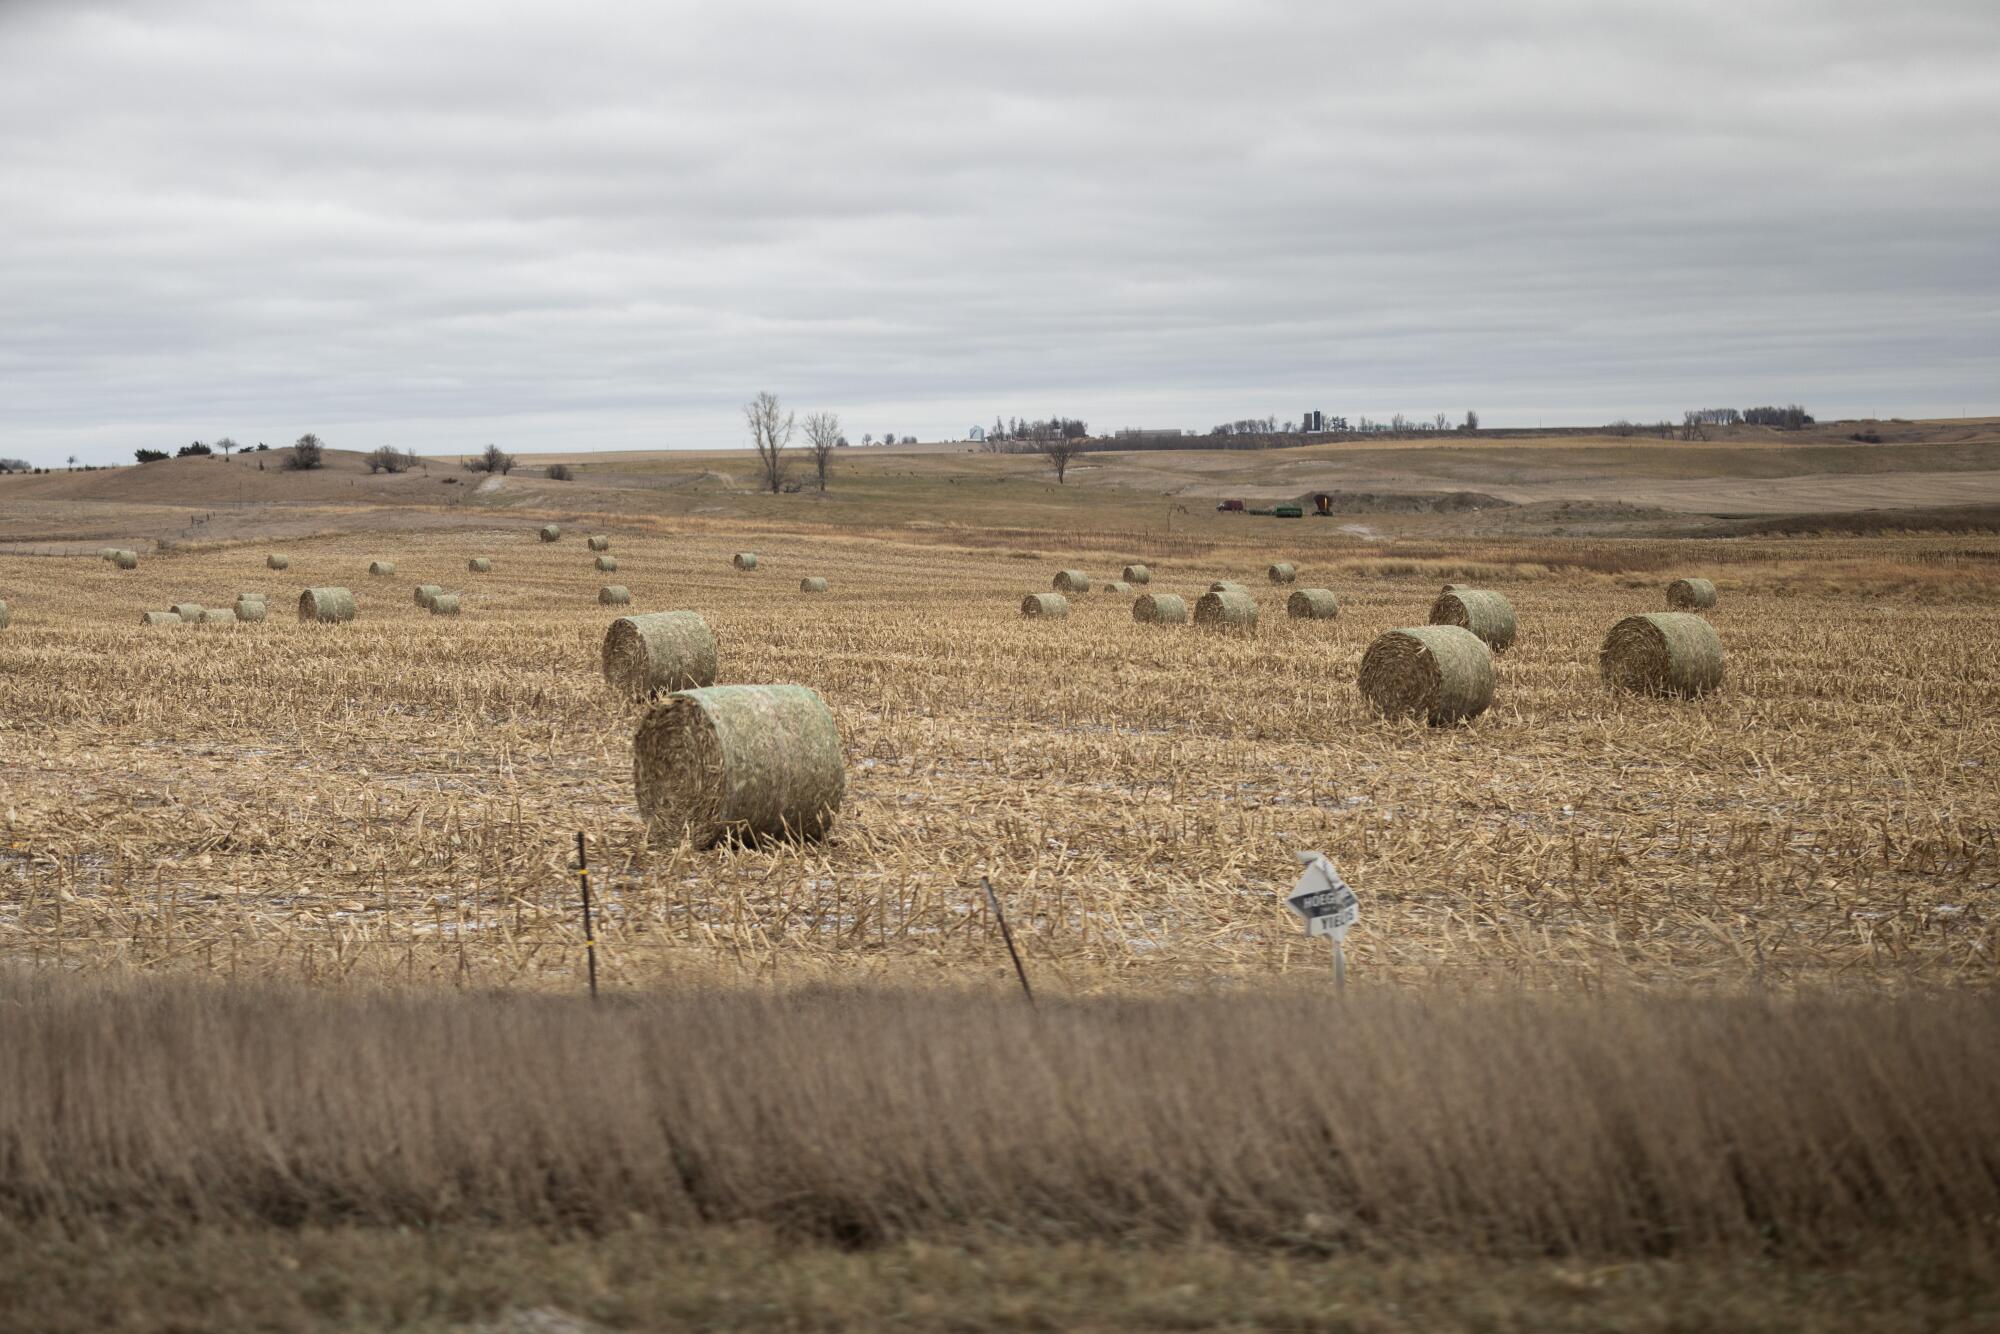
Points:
point(1322, 899)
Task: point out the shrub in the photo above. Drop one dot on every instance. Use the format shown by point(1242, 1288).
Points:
point(494, 459)
point(390, 459)
point(558, 472)
point(149, 455)
point(309, 451)
point(196, 449)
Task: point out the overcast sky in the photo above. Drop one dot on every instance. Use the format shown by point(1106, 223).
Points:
point(606, 225)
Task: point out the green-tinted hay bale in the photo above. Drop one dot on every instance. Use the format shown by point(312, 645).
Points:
point(6, 615)
point(160, 618)
point(425, 592)
point(1227, 610)
point(1663, 653)
point(744, 560)
point(1228, 586)
point(598, 542)
point(444, 604)
point(549, 532)
point(218, 616)
point(106, 553)
point(607, 564)
point(812, 583)
point(1160, 609)
point(1312, 604)
point(326, 606)
point(1138, 574)
point(613, 595)
point(1072, 581)
point(1488, 615)
point(126, 560)
point(276, 562)
point(1436, 673)
point(1118, 588)
point(381, 568)
point(248, 609)
point(479, 565)
point(1690, 594)
point(1045, 606)
point(738, 762)
point(1282, 572)
point(658, 651)
point(187, 611)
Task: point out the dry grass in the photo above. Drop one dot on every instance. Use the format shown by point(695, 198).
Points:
point(395, 799)
point(1807, 1128)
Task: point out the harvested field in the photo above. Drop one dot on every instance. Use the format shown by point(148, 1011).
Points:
point(395, 799)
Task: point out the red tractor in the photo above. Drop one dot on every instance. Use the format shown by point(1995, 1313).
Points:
point(1230, 507)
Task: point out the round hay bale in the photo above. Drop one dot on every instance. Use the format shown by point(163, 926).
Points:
point(607, 564)
point(1137, 574)
point(381, 567)
point(1690, 594)
point(659, 651)
point(743, 762)
point(1160, 609)
point(106, 553)
point(1072, 581)
point(613, 595)
point(425, 592)
point(1118, 587)
point(1045, 606)
point(744, 560)
point(327, 606)
point(1228, 586)
point(248, 609)
point(126, 560)
point(444, 604)
point(5, 615)
point(1663, 653)
point(1227, 610)
point(276, 562)
point(1312, 604)
point(549, 532)
point(217, 616)
point(1439, 673)
point(1282, 572)
point(479, 565)
point(598, 542)
point(1488, 615)
point(187, 611)
point(160, 618)
point(812, 583)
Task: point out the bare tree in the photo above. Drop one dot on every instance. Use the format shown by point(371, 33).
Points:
point(491, 459)
point(771, 432)
point(1059, 450)
point(226, 445)
point(1471, 421)
point(822, 438)
point(308, 451)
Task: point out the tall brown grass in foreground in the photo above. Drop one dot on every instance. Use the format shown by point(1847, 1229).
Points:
point(1505, 1126)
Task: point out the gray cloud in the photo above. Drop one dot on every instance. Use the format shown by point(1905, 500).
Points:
point(606, 225)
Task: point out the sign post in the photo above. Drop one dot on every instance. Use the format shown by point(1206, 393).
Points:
point(1327, 906)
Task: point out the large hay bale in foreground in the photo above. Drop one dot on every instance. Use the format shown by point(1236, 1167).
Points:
point(738, 762)
point(187, 611)
point(1071, 581)
point(1227, 610)
point(326, 606)
point(1486, 614)
point(1312, 604)
point(126, 560)
point(549, 532)
point(1137, 574)
point(597, 542)
point(1663, 653)
point(276, 562)
point(613, 595)
point(1051, 606)
point(744, 560)
point(250, 609)
point(479, 565)
point(444, 604)
point(1160, 609)
point(1690, 594)
point(218, 616)
point(425, 592)
point(658, 651)
point(1438, 673)
point(1228, 586)
point(381, 567)
point(607, 564)
point(1282, 572)
point(160, 618)
point(812, 583)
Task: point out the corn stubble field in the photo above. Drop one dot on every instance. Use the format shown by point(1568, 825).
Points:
point(396, 799)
